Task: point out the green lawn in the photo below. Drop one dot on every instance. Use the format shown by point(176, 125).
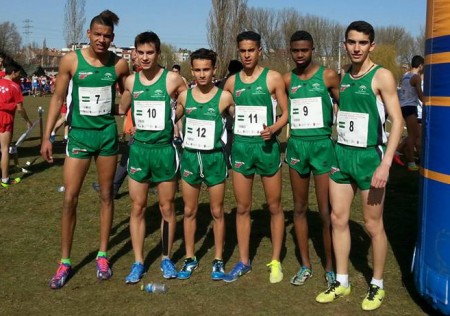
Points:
point(30, 235)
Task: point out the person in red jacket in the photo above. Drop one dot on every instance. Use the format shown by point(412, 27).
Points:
point(11, 99)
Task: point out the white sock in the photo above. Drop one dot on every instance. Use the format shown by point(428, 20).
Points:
point(378, 283)
point(5, 180)
point(52, 134)
point(342, 279)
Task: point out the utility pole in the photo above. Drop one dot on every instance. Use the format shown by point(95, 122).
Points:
point(28, 29)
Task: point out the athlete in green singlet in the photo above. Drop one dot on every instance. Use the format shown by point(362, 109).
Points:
point(93, 133)
point(367, 93)
point(153, 157)
point(203, 159)
point(256, 150)
point(310, 148)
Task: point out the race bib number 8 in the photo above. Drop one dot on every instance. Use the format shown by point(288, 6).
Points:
point(249, 120)
point(150, 115)
point(352, 128)
point(306, 113)
point(95, 101)
point(199, 134)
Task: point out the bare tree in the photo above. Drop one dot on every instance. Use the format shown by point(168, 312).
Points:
point(226, 20)
point(167, 57)
point(10, 39)
point(400, 39)
point(74, 21)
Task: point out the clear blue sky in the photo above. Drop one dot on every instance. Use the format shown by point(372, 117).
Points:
point(182, 23)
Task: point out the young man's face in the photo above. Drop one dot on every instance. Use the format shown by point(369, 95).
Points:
point(147, 55)
point(202, 71)
point(358, 46)
point(249, 52)
point(301, 53)
point(100, 36)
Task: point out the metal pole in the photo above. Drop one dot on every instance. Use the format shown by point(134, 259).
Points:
point(41, 129)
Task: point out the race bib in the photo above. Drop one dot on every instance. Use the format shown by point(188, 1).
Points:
point(199, 134)
point(352, 128)
point(150, 115)
point(95, 101)
point(306, 113)
point(249, 120)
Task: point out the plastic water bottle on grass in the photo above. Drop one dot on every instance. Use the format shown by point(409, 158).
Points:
point(154, 288)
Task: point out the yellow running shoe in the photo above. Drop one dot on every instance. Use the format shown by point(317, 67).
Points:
point(10, 182)
point(373, 299)
point(334, 291)
point(276, 273)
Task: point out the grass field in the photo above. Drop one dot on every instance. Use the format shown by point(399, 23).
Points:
point(30, 236)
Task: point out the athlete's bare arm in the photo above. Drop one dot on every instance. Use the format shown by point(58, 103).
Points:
point(277, 88)
point(175, 84)
point(416, 82)
point(226, 101)
point(181, 104)
point(122, 71)
point(125, 100)
point(66, 70)
point(332, 82)
point(385, 87)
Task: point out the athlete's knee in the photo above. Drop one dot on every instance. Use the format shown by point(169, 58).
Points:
point(190, 212)
point(275, 208)
point(300, 209)
point(338, 220)
point(374, 227)
point(243, 209)
point(167, 210)
point(217, 212)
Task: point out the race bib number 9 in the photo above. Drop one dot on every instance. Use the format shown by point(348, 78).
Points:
point(150, 115)
point(249, 120)
point(306, 113)
point(352, 128)
point(95, 101)
point(199, 134)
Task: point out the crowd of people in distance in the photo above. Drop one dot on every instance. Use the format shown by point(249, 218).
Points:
point(229, 126)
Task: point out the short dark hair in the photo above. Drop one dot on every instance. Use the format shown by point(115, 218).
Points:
point(148, 37)
point(177, 67)
point(107, 18)
point(249, 36)
point(416, 61)
point(302, 36)
point(204, 53)
point(234, 66)
point(11, 67)
point(362, 27)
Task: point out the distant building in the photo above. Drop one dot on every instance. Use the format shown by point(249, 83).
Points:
point(182, 55)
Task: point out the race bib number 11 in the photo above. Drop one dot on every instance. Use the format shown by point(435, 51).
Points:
point(249, 120)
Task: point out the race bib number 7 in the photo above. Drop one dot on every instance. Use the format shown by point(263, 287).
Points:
point(95, 101)
point(352, 128)
point(249, 120)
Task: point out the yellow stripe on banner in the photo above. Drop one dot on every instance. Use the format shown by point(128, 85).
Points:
point(436, 176)
point(438, 58)
point(437, 101)
point(438, 18)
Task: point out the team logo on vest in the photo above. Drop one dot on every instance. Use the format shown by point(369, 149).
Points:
point(238, 92)
point(239, 164)
point(344, 86)
point(294, 89)
point(133, 170)
point(211, 112)
point(108, 77)
point(158, 93)
point(186, 173)
point(83, 75)
point(316, 87)
point(188, 111)
point(334, 170)
point(362, 90)
point(136, 94)
point(259, 90)
point(4, 89)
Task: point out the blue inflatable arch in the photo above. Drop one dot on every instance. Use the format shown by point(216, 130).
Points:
point(431, 262)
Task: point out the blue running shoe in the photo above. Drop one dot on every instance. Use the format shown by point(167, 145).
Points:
point(218, 272)
point(189, 265)
point(104, 271)
point(330, 277)
point(168, 269)
point(60, 278)
point(136, 273)
point(238, 270)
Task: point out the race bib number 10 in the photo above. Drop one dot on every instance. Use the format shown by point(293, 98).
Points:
point(249, 120)
point(150, 115)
